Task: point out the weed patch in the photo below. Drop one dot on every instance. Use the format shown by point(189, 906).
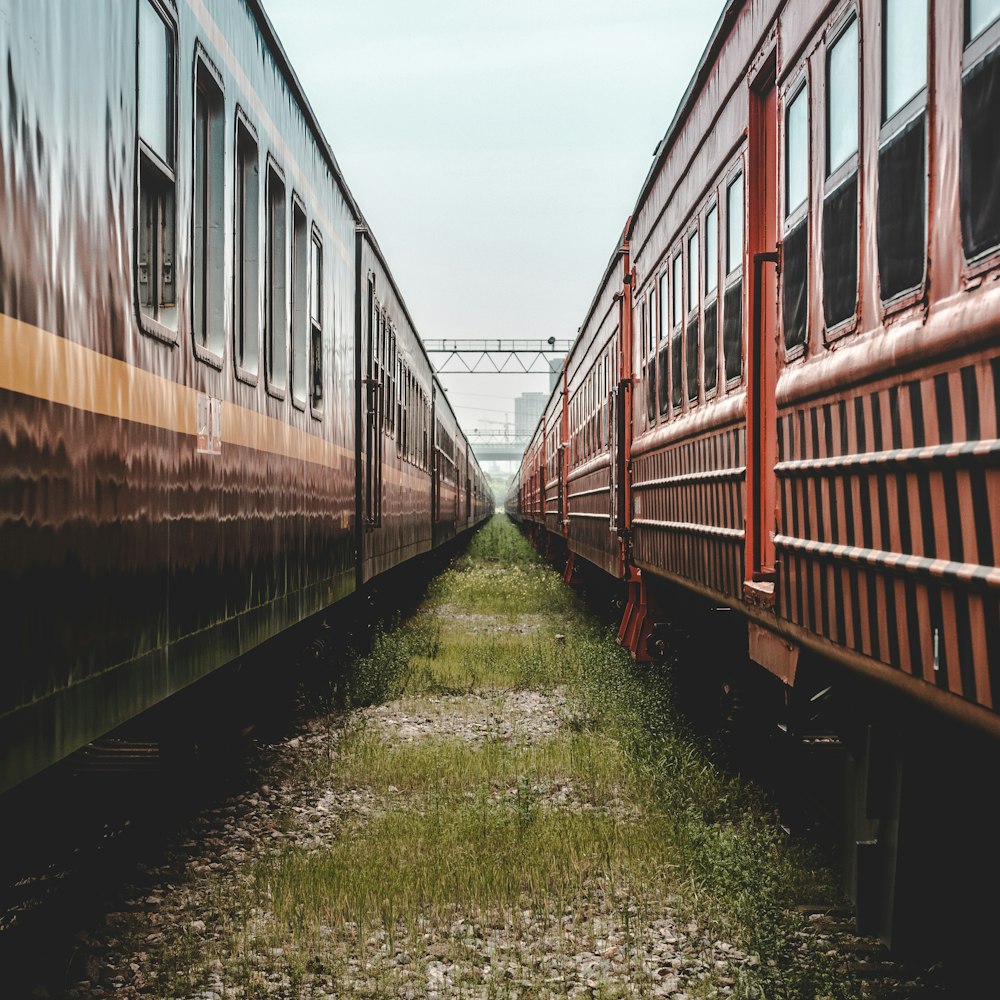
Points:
point(542, 815)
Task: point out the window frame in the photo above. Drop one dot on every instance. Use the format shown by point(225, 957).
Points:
point(202, 63)
point(316, 324)
point(298, 207)
point(889, 128)
point(276, 389)
point(890, 124)
point(710, 297)
point(677, 313)
point(991, 29)
point(244, 130)
point(797, 88)
point(833, 180)
point(799, 85)
point(730, 278)
point(663, 344)
point(974, 50)
point(693, 311)
point(165, 175)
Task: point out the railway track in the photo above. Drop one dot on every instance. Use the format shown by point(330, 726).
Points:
point(505, 750)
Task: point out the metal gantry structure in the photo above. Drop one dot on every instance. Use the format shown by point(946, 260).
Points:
point(497, 357)
point(510, 356)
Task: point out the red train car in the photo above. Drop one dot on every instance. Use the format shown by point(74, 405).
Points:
point(812, 436)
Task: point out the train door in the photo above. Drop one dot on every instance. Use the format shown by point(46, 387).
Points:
point(620, 404)
point(762, 258)
point(435, 461)
point(373, 406)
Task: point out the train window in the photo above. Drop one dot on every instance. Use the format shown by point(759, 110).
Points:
point(842, 98)
point(386, 402)
point(840, 200)
point(795, 252)
point(652, 320)
point(155, 264)
point(904, 50)
point(427, 419)
point(246, 291)
point(734, 225)
point(692, 324)
point(276, 316)
point(797, 151)
point(711, 250)
point(156, 82)
point(710, 334)
point(901, 211)
point(316, 316)
point(981, 14)
point(401, 376)
point(651, 407)
point(664, 352)
point(732, 317)
point(607, 405)
point(388, 375)
point(391, 373)
point(980, 150)
point(207, 229)
point(397, 403)
point(676, 338)
point(378, 380)
point(300, 304)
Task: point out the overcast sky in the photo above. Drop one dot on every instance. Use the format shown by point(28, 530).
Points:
point(495, 148)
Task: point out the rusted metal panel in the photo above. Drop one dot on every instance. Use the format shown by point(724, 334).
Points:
point(773, 652)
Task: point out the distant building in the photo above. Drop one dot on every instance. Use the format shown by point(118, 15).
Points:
point(527, 412)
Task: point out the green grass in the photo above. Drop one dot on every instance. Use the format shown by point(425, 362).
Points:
point(474, 829)
point(485, 858)
point(450, 771)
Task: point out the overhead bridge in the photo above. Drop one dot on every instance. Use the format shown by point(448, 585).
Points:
point(499, 357)
point(497, 446)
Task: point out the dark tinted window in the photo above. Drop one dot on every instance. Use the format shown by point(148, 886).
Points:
point(902, 151)
point(795, 248)
point(901, 209)
point(246, 294)
point(711, 345)
point(711, 250)
point(208, 213)
point(732, 331)
point(840, 203)
point(795, 285)
point(980, 149)
point(734, 224)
